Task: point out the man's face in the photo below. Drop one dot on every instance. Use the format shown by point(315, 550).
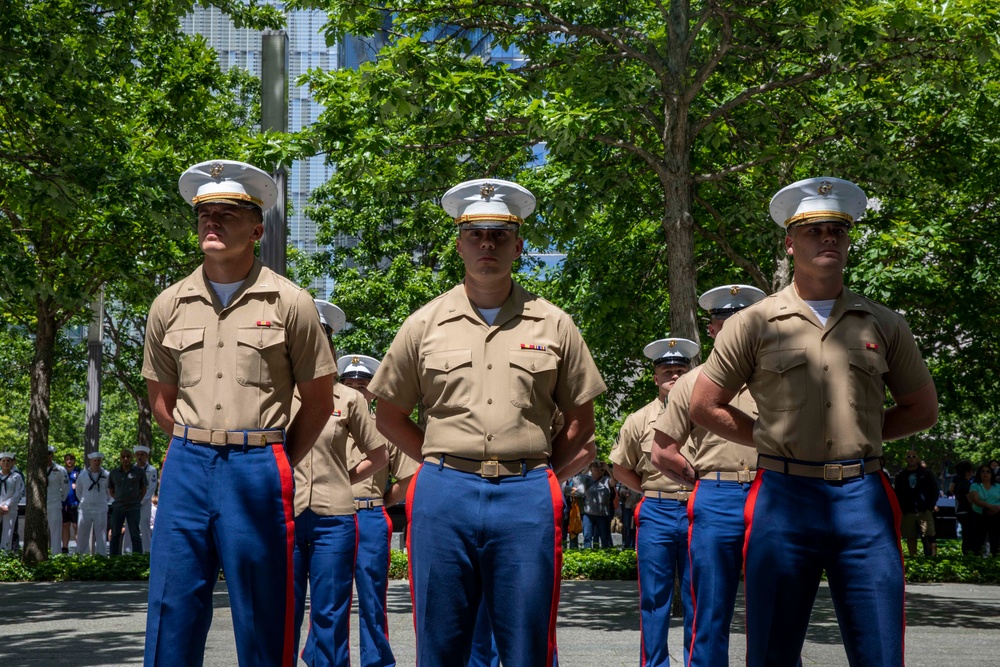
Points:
point(69, 461)
point(226, 231)
point(126, 460)
point(488, 252)
point(820, 248)
point(666, 376)
point(95, 465)
point(912, 460)
point(6, 463)
point(360, 384)
point(141, 459)
point(715, 325)
point(48, 458)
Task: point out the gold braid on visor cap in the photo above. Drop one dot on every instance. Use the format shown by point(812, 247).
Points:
point(817, 216)
point(488, 217)
point(216, 196)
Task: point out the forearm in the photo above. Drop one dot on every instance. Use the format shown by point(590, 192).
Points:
point(577, 464)
point(574, 436)
point(162, 399)
point(397, 492)
point(629, 478)
point(667, 458)
point(375, 461)
point(302, 433)
point(399, 429)
point(913, 412)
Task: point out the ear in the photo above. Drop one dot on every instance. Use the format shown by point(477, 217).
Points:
point(458, 244)
point(520, 247)
point(789, 247)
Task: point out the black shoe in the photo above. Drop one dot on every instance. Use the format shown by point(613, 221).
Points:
point(65, 550)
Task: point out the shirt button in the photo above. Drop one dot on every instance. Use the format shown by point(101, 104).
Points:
point(489, 401)
point(218, 406)
point(829, 443)
point(218, 375)
point(446, 365)
point(826, 367)
point(828, 404)
point(221, 344)
point(489, 437)
point(489, 366)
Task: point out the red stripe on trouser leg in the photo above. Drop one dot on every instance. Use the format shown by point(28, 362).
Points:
point(694, 598)
point(748, 520)
point(388, 566)
point(638, 581)
point(409, 555)
point(287, 500)
point(557, 513)
point(897, 515)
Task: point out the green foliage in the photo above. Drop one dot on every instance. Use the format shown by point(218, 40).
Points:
point(951, 566)
point(128, 567)
point(600, 564)
point(398, 565)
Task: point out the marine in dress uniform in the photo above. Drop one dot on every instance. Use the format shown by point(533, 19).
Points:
point(11, 490)
point(92, 490)
point(225, 349)
point(152, 484)
point(489, 363)
point(326, 528)
point(817, 358)
point(372, 496)
point(721, 472)
point(56, 492)
point(661, 517)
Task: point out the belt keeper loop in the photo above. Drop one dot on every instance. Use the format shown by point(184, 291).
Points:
point(441, 462)
point(524, 468)
point(862, 462)
point(246, 442)
point(186, 433)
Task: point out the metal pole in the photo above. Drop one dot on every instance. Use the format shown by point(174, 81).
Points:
point(95, 352)
point(274, 117)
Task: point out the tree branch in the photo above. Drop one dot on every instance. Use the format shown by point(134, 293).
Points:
point(755, 273)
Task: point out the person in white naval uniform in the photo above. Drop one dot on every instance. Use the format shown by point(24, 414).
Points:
point(146, 507)
point(92, 490)
point(56, 491)
point(11, 490)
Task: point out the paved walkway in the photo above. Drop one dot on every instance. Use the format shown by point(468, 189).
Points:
point(95, 624)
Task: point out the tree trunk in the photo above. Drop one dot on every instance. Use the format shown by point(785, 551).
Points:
point(782, 270)
point(145, 421)
point(681, 275)
point(36, 530)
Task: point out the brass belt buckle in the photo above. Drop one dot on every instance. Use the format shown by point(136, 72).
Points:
point(743, 476)
point(219, 437)
point(261, 439)
point(833, 472)
point(490, 469)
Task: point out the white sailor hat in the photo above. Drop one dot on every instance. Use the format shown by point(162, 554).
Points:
point(7, 455)
point(489, 203)
point(823, 199)
point(357, 366)
point(140, 448)
point(676, 351)
point(330, 315)
point(228, 182)
point(95, 455)
point(723, 301)
point(51, 449)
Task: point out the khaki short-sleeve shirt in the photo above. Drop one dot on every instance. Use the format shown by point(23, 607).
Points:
point(400, 467)
point(820, 391)
point(235, 367)
point(488, 392)
point(708, 452)
point(322, 480)
point(634, 449)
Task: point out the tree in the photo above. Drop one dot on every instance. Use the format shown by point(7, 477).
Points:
point(101, 107)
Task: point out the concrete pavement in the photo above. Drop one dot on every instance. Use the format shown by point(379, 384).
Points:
point(101, 624)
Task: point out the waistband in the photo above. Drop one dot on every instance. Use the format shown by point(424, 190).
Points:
point(742, 476)
point(680, 496)
point(831, 471)
point(220, 437)
point(488, 468)
point(367, 503)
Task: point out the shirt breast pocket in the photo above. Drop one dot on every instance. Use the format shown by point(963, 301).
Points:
point(867, 389)
point(449, 375)
point(532, 373)
point(785, 385)
point(188, 349)
point(260, 354)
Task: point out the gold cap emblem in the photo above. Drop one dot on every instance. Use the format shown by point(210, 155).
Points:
point(487, 190)
point(216, 170)
point(825, 188)
point(734, 290)
point(672, 343)
point(355, 360)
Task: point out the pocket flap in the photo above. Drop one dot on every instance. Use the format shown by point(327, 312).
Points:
point(448, 360)
point(867, 361)
point(260, 337)
point(533, 361)
point(781, 361)
point(182, 339)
